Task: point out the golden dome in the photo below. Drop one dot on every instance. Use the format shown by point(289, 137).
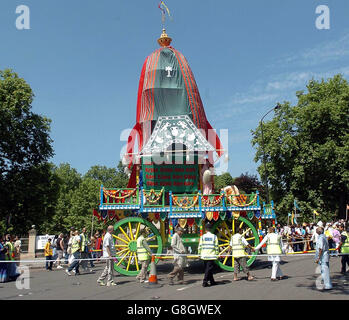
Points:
point(164, 39)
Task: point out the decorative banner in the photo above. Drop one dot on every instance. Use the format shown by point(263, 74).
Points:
point(257, 214)
point(163, 216)
point(182, 223)
point(209, 215)
point(236, 214)
point(243, 213)
point(215, 215)
point(222, 215)
point(250, 214)
point(111, 214)
point(104, 214)
point(178, 178)
point(120, 214)
point(190, 222)
point(157, 216)
point(151, 216)
point(174, 222)
point(198, 221)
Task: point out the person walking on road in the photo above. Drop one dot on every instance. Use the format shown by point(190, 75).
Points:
point(274, 250)
point(143, 254)
point(179, 260)
point(84, 250)
point(208, 251)
point(237, 246)
point(343, 248)
point(75, 252)
point(17, 249)
point(322, 257)
point(60, 250)
point(108, 253)
point(48, 255)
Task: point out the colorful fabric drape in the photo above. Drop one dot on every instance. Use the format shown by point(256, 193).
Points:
point(167, 87)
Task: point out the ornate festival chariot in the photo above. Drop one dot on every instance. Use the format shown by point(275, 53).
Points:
point(171, 172)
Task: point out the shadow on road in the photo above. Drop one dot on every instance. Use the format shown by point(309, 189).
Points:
point(340, 284)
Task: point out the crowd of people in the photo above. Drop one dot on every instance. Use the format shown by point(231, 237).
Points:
point(302, 237)
point(78, 250)
point(10, 250)
point(72, 249)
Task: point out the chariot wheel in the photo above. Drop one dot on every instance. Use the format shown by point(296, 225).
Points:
point(126, 232)
point(225, 229)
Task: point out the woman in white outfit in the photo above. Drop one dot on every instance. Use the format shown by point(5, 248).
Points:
point(274, 250)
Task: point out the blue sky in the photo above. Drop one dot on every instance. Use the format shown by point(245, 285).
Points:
point(83, 60)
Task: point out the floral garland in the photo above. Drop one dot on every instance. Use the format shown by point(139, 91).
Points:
point(182, 202)
point(207, 202)
point(234, 201)
point(112, 193)
point(153, 193)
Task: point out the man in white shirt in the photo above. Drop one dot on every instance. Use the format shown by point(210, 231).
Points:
point(108, 254)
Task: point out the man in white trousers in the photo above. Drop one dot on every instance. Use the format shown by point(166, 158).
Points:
point(274, 250)
point(108, 253)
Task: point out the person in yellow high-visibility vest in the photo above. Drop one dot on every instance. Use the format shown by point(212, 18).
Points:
point(208, 251)
point(75, 251)
point(48, 251)
point(237, 246)
point(343, 247)
point(274, 250)
point(143, 254)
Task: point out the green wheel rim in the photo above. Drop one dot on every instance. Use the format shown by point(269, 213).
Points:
point(126, 232)
point(220, 228)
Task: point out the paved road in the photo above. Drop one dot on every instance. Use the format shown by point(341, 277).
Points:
point(300, 284)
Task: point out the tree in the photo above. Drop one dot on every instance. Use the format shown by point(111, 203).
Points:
point(25, 146)
point(307, 150)
point(68, 181)
point(222, 181)
point(249, 184)
point(109, 177)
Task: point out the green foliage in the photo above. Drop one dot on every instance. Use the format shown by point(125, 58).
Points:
point(222, 181)
point(27, 186)
point(79, 195)
point(307, 150)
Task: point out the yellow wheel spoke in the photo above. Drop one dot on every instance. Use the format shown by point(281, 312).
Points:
point(241, 224)
point(223, 245)
point(150, 237)
point(226, 227)
point(233, 226)
point(120, 239)
point(124, 256)
point(225, 260)
point(224, 250)
point(250, 238)
point(129, 260)
point(131, 233)
point(138, 226)
point(232, 261)
point(120, 251)
point(223, 240)
point(153, 246)
point(136, 260)
point(121, 245)
point(246, 231)
point(122, 230)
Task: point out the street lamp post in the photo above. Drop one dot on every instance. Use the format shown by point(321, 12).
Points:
point(264, 162)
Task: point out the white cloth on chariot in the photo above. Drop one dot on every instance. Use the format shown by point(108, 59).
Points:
point(273, 258)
